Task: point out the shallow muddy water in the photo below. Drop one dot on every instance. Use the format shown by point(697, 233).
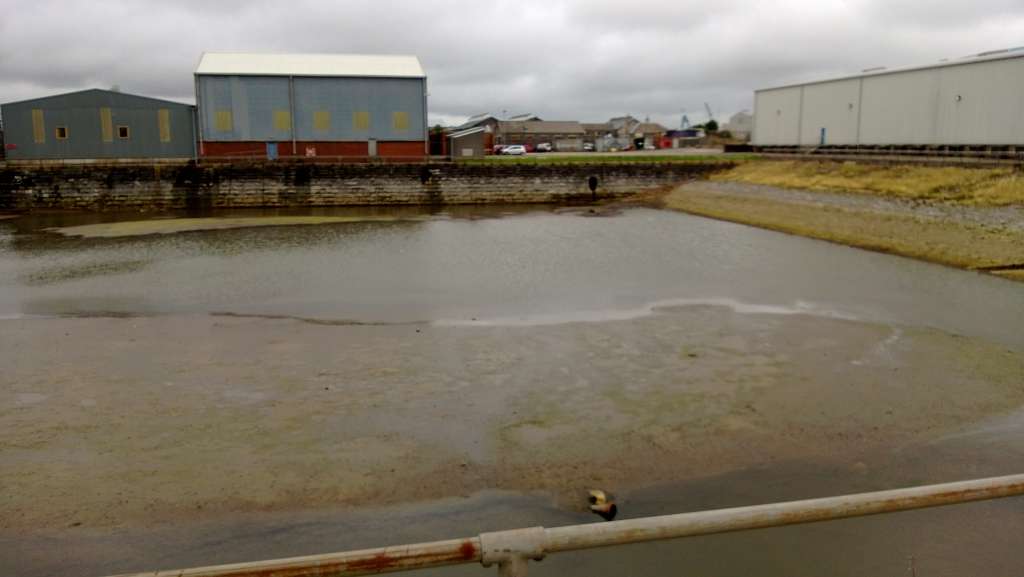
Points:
point(467, 266)
point(214, 396)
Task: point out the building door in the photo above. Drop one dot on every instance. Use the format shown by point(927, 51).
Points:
point(371, 147)
point(272, 150)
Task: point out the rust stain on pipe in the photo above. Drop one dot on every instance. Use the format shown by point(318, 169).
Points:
point(458, 551)
point(368, 562)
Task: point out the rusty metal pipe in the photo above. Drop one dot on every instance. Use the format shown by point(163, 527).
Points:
point(364, 562)
point(778, 514)
point(511, 549)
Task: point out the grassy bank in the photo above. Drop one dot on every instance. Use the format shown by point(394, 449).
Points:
point(956, 244)
point(974, 186)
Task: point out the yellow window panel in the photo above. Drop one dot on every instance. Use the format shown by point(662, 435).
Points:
point(106, 125)
point(222, 121)
point(322, 120)
point(38, 126)
point(361, 120)
point(400, 120)
point(282, 120)
point(163, 117)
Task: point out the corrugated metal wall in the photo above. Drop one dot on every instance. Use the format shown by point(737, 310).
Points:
point(777, 116)
point(832, 107)
point(253, 108)
point(974, 103)
point(98, 124)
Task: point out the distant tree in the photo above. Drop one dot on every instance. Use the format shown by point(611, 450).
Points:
point(711, 125)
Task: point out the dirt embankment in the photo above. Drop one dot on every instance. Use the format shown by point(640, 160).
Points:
point(968, 218)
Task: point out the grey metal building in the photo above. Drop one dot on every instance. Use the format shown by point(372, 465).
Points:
point(98, 124)
point(973, 101)
point(564, 135)
point(311, 105)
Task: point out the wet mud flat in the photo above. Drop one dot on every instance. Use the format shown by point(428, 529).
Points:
point(287, 382)
point(127, 436)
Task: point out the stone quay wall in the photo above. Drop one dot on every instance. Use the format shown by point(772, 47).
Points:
point(95, 187)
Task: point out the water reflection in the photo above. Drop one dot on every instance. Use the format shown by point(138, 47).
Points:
point(486, 263)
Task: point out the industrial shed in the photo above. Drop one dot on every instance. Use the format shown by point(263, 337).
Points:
point(563, 135)
point(311, 105)
point(472, 142)
point(974, 101)
point(96, 125)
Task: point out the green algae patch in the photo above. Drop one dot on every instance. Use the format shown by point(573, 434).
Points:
point(176, 225)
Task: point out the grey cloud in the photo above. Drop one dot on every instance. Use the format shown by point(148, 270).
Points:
point(572, 59)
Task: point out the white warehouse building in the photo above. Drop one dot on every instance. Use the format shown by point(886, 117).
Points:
point(974, 101)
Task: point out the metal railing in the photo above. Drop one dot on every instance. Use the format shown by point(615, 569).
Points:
point(512, 550)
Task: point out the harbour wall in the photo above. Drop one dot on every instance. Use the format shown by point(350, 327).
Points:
point(163, 186)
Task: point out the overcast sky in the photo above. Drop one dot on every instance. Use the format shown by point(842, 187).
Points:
point(563, 60)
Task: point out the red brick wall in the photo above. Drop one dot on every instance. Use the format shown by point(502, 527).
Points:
point(241, 149)
point(284, 149)
point(401, 149)
point(324, 148)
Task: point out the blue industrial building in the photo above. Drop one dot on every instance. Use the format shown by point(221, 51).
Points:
point(311, 105)
point(98, 124)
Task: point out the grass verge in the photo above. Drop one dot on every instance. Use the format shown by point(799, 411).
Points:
point(972, 186)
point(956, 244)
point(601, 159)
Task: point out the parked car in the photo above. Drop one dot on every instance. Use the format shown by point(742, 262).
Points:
point(514, 149)
point(588, 147)
point(649, 147)
point(498, 148)
point(543, 147)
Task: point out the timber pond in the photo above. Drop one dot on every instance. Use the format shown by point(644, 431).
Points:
point(243, 385)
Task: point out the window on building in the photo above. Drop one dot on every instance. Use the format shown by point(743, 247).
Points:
point(164, 122)
point(38, 126)
point(122, 132)
point(222, 121)
point(400, 120)
point(361, 120)
point(106, 125)
point(62, 133)
point(282, 120)
point(322, 120)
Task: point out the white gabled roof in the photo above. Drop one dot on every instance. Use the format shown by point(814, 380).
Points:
point(467, 132)
point(255, 64)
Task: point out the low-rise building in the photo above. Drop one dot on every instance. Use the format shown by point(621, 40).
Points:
point(740, 125)
point(469, 143)
point(564, 135)
point(604, 136)
point(98, 124)
point(311, 105)
point(477, 120)
point(649, 135)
